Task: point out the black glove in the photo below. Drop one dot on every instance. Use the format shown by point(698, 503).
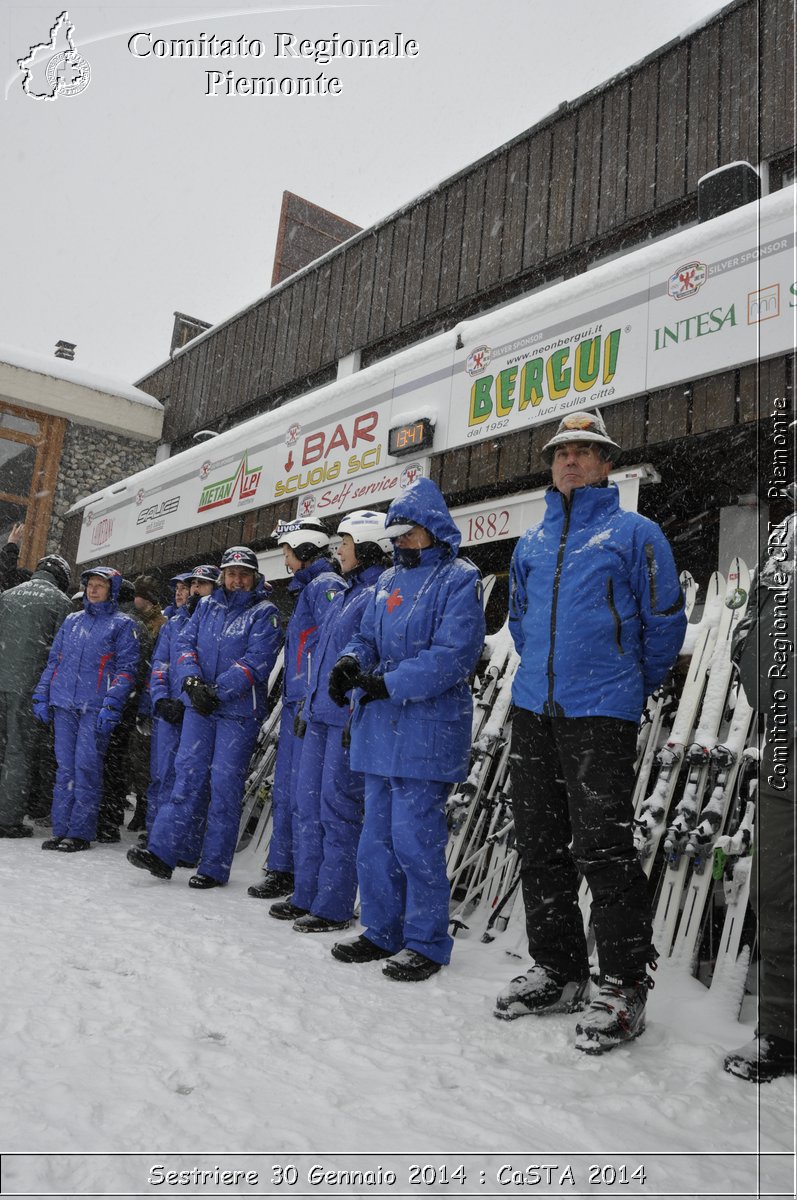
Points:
point(341, 679)
point(373, 686)
point(299, 723)
point(202, 695)
point(172, 711)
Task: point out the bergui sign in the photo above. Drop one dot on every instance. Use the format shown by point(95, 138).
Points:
point(707, 299)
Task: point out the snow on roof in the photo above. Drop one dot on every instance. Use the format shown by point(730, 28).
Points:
point(58, 368)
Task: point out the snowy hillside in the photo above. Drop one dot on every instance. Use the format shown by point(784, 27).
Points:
point(141, 1016)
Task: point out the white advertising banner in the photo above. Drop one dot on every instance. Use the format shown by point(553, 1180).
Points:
point(574, 355)
point(732, 304)
point(704, 300)
point(330, 447)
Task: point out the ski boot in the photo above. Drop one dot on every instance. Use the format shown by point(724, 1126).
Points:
point(145, 860)
point(359, 950)
point(286, 910)
point(539, 992)
point(273, 885)
point(761, 1060)
point(310, 923)
point(616, 1014)
point(409, 966)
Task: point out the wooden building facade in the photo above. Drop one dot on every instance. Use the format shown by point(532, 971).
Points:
point(598, 178)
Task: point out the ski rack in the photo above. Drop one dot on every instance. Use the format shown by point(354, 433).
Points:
point(703, 758)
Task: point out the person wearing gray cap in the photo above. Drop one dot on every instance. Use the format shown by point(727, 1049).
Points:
point(597, 616)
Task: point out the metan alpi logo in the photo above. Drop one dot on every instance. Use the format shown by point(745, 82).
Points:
point(55, 68)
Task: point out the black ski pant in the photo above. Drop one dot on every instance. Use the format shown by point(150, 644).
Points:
point(772, 893)
point(19, 738)
point(117, 774)
point(572, 780)
point(42, 774)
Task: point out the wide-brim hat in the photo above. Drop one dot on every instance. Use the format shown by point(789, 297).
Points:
point(579, 427)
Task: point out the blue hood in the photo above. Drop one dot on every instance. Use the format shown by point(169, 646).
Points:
point(105, 573)
point(423, 504)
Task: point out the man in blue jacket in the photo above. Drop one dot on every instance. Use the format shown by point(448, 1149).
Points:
point(597, 616)
point(313, 587)
point(328, 794)
point(167, 700)
point(226, 652)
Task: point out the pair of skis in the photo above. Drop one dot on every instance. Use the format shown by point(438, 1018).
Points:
point(711, 759)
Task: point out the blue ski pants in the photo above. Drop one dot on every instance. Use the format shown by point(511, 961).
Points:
point(327, 823)
point(79, 752)
point(165, 744)
point(289, 749)
point(401, 866)
point(209, 777)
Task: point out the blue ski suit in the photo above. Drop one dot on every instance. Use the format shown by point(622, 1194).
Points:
point(91, 670)
point(329, 795)
point(231, 642)
point(314, 587)
point(422, 631)
point(165, 684)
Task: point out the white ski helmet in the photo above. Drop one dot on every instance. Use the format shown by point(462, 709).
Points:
point(307, 537)
point(366, 526)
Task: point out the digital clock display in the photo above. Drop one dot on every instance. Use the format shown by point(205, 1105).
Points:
point(413, 438)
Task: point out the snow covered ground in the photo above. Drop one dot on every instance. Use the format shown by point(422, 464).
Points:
point(145, 1023)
